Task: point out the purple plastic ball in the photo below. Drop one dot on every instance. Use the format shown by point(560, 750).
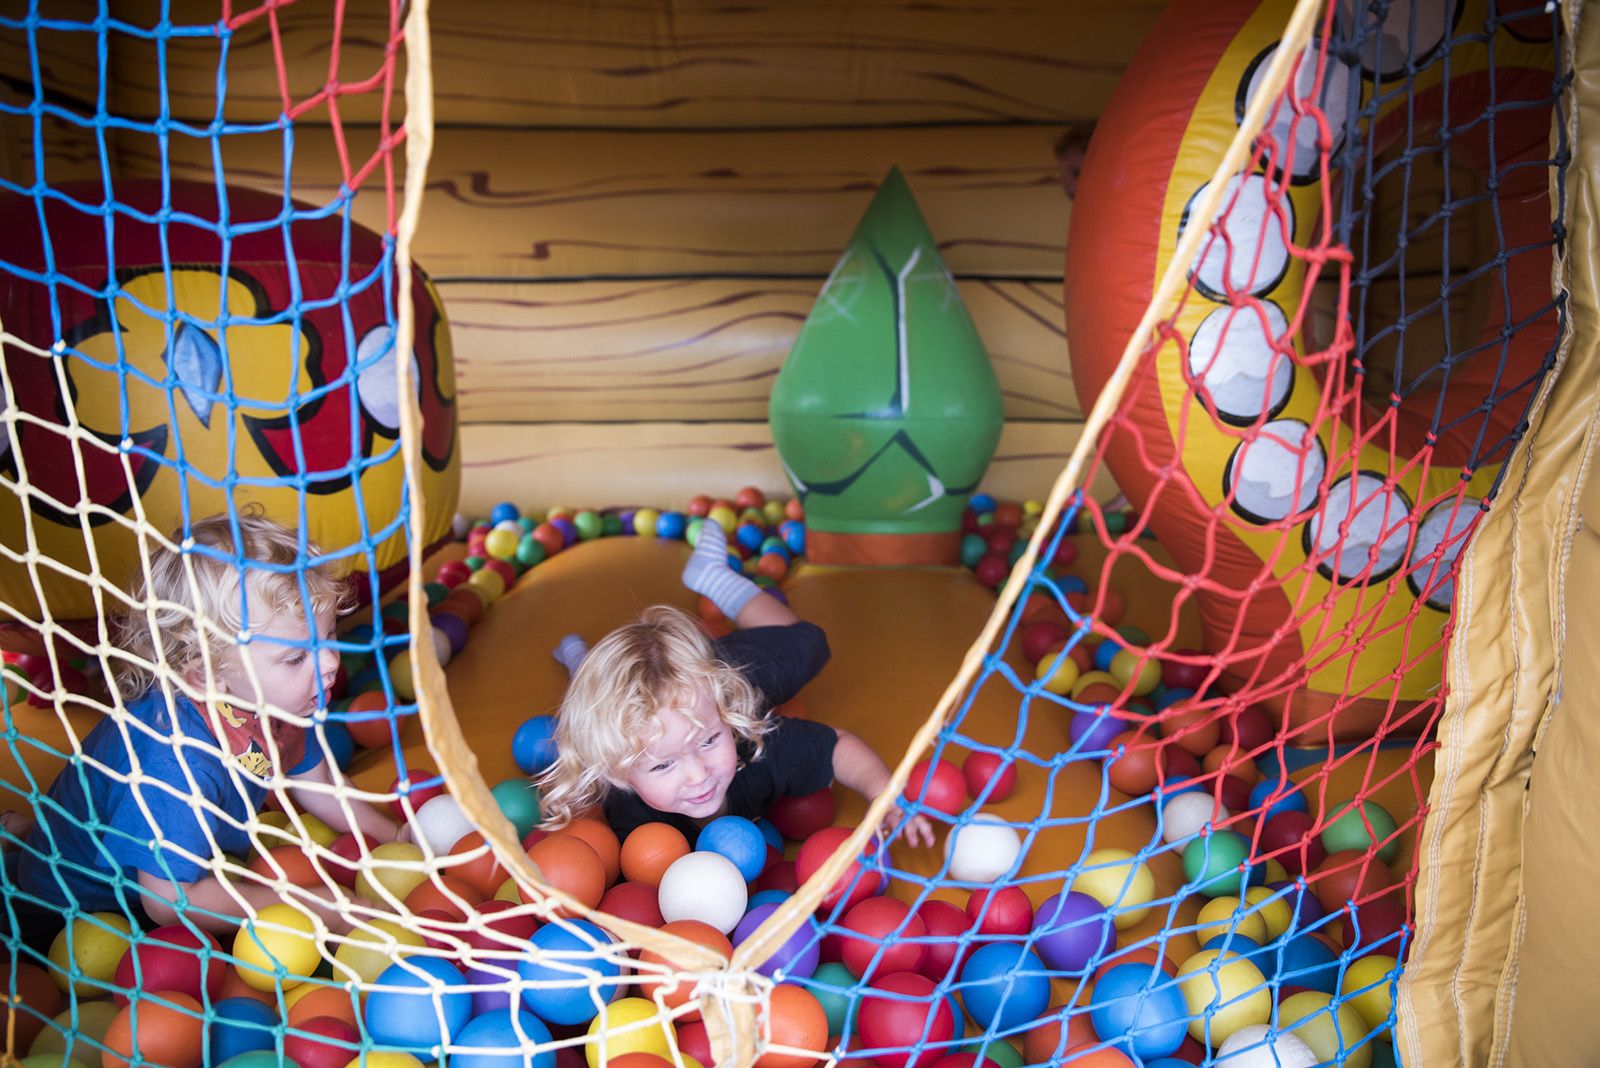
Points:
point(1074, 932)
point(454, 627)
point(625, 517)
point(797, 958)
point(1092, 730)
point(496, 995)
point(1307, 909)
point(569, 530)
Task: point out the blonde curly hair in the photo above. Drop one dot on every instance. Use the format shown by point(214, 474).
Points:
point(194, 592)
point(608, 718)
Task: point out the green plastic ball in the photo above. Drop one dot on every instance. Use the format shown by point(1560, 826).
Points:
point(972, 549)
point(691, 532)
point(435, 592)
point(530, 551)
point(396, 609)
point(527, 523)
point(610, 526)
point(519, 802)
point(1347, 830)
point(835, 1002)
point(1216, 862)
point(474, 563)
point(1116, 522)
point(589, 525)
point(997, 1050)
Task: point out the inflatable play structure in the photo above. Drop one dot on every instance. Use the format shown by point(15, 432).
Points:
point(1196, 552)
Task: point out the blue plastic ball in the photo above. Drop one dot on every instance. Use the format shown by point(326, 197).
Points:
point(770, 832)
point(1293, 799)
point(503, 512)
point(533, 747)
point(1141, 1005)
point(497, 1039)
point(981, 503)
point(240, 1025)
point(738, 839)
point(774, 544)
point(573, 987)
point(768, 897)
point(793, 533)
point(1104, 653)
point(408, 1010)
point(1071, 584)
point(1305, 961)
point(1004, 986)
point(672, 525)
point(750, 536)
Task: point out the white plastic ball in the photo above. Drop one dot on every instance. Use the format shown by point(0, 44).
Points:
point(983, 850)
point(1250, 1047)
point(1186, 815)
point(510, 524)
point(440, 824)
point(703, 886)
point(460, 524)
point(441, 645)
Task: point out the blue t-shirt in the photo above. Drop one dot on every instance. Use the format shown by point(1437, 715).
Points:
point(93, 830)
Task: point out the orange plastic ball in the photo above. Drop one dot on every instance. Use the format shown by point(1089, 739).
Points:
point(1350, 875)
point(602, 839)
point(569, 864)
point(374, 732)
point(1042, 1043)
point(442, 896)
point(1087, 1057)
point(36, 990)
point(794, 509)
point(773, 566)
point(656, 986)
point(795, 1018)
point(1195, 729)
point(650, 851)
point(749, 497)
point(464, 603)
point(483, 873)
point(334, 1001)
point(1137, 770)
point(169, 1032)
point(549, 537)
point(289, 862)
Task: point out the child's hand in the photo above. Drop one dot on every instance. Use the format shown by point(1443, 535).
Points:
point(917, 830)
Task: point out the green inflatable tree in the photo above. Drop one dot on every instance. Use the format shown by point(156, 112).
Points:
point(887, 412)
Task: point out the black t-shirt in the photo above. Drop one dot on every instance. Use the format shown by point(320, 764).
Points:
point(797, 758)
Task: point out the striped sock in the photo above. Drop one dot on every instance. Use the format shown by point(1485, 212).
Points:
point(708, 573)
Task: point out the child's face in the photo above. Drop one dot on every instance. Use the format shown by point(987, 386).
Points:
point(687, 769)
point(286, 673)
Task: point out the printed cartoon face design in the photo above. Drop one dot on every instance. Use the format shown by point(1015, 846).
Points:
point(188, 387)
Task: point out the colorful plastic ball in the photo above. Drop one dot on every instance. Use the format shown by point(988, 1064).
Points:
point(636, 902)
point(417, 1004)
point(413, 790)
point(1224, 915)
point(1105, 653)
point(983, 849)
point(1373, 926)
point(796, 1019)
point(87, 951)
point(172, 958)
point(571, 989)
point(798, 818)
point(571, 865)
point(441, 823)
point(1290, 838)
point(670, 524)
point(707, 887)
point(1122, 884)
point(880, 936)
point(628, 1025)
point(793, 534)
point(533, 746)
point(992, 570)
point(650, 850)
point(905, 1015)
point(750, 536)
point(530, 551)
point(1140, 1007)
point(1004, 985)
point(1000, 912)
point(1334, 1032)
point(796, 958)
point(519, 803)
point(167, 1027)
point(770, 896)
point(948, 940)
point(277, 946)
point(1360, 827)
point(1217, 864)
point(837, 991)
point(1057, 672)
point(321, 1042)
point(1188, 814)
point(271, 1059)
point(1261, 1046)
point(770, 833)
point(454, 629)
point(989, 777)
point(937, 784)
point(668, 978)
point(1093, 730)
point(738, 839)
point(1273, 795)
point(1223, 993)
point(1350, 875)
point(588, 525)
point(1368, 986)
point(369, 949)
point(502, 1039)
point(856, 883)
point(504, 511)
point(566, 527)
point(1073, 932)
point(549, 537)
point(240, 1025)
point(502, 544)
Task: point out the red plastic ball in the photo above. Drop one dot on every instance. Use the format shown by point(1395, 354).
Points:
point(989, 771)
point(1039, 638)
point(699, 505)
point(1290, 839)
point(1249, 729)
point(1234, 793)
point(506, 571)
point(1373, 927)
point(330, 1043)
point(1000, 541)
point(169, 959)
point(694, 1041)
point(1187, 674)
point(1004, 912)
point(1066, 554)
point(1349, 875)
point(938, 785)
point(779, 875)
point(885, 924)
point(633, 901)
point(549, 537)
point(992, 570)
point(798, 818)
point(853, 886)
point(903, 1013)
point(452, 573)
point(406, 794)
point(946, 924)
point(501, 932)
point(748, 497)
point(345, 870)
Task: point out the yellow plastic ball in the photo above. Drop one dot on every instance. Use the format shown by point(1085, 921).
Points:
point(630, 1025)
point(394, 866)
point(384, 1059)
point(367, 953)
point(752, 515)
point(1137, 667)
point(501, 544)
point(1059, 673)
point(1032, 507)
point(488, 583)
point(558, 512)
point(1089, 678)
point(400, 677)
point(724, 518)
point(1272, 907)
point(77, 1037)
point(98, 942)
point(772, 512)
point(1334, 1033)
point(319, 832)
point(508, 892)
point(1379, 973)
point(1120, 882)
point(1223, 915)
point(277, 821)
point(280, 935)
point(1223, 999)
point(644, 522)
point(1274, 872)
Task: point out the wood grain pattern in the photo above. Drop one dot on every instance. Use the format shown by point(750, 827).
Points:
point(664, 464)
point(540, 204)
point(700, 349)
point(670, 63)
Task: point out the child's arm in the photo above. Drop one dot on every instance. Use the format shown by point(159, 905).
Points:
point(224, 906)
point(858, 766)
point(311, 792)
